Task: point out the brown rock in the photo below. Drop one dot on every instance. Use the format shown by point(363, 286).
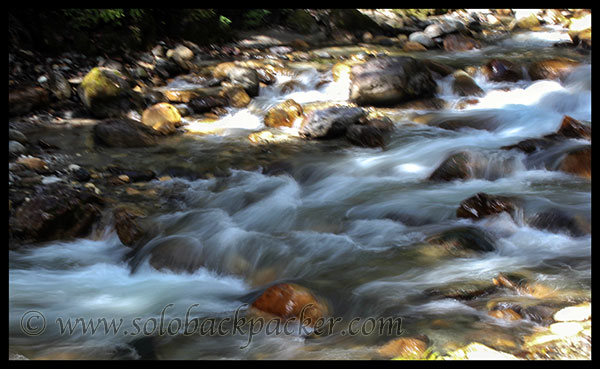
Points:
point(572, 128)
point(124, 133)
point(283, 114)
point(128, 229)
point(411, 46)
point(500, 70)
point(33, 163)
point(162, 117)
point(458, 42)
point(578, 162)
point(288, 301)
point(482, 205)
point(405, 347)
point(27, 99)
point(236, 96)
point(550, 69)
point(464, 85)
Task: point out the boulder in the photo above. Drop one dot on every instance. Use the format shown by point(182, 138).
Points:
point(56, 211)
point(572, 128)
point(365, 136)
point(436, 67)
point(106, 93)
point(500, 70)
point(283, 114)
point(462, 241)
point(287, 301)
point(59, 86)
point(461, 165)
point(550, 69)
point(482, 205)
point(578, 162)
point(127, 227)
point(411, 46)
point(531, 145)
point(162, 117)
point(557, 220)
point(176, 253)
point(331, 122)
point(15, 148)
point(421, 38)
point(235, 96)
point(204, 104)
point(124, 133)
point(389, 81)
point(464, 85)
point(244, 77)
point(458, 42)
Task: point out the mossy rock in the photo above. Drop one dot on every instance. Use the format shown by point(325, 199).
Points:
point(352, 20)
point(301, 21)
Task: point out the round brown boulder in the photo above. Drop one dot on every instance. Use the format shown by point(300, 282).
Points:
point(500, 70)
point(287, 301)
point(283, 114)
point(162, 117)
point(464, 85)
point(578, 162)
point(405, 347)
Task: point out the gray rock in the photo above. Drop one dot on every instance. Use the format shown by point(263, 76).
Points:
point(331, 122)
point(15, 148)
point(421, 38)
point(14, 135)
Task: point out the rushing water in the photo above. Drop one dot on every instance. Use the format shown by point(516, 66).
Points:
point(344, 221)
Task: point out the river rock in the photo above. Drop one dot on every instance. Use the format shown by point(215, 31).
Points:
point(531, 145)
point(458, 42)
point(245, 77)
point(331, 122)
point(500, 70)
point(33, 163)
point(15, 148)
point(572, 128)
point(557, 220)
point(56, 211)
point(460, 165)
point(578, 161)
point(25, 100)
point(287, 300)
point(127, 227)
point(389, 81)
point(462, 290)
point(464, 85)
point(235, 96)
point(283, 114)
point(14, 135)
point(463, 241)
point(162, 117)
point(204, 104)
point(404, 347)
point(124, 133)
point(421, 38)
point(365, 136)
point(436, 67)
point(106, 93)
point(411, 46)
point(176, 253)
point(550, 69)
point(482, 205)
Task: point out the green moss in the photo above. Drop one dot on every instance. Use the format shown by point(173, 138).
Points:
point(97, 85)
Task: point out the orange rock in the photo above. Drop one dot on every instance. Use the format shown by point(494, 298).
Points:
point(162, 117)
point(288, 301)
point(32, 163)
point(413, 46)
point(507, 314)
point(578, 162)
point(404, 347)
point(283, 114)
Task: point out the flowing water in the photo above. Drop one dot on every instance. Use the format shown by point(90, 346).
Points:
point(349, 223)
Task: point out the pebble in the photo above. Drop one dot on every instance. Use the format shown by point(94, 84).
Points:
point(50, 179)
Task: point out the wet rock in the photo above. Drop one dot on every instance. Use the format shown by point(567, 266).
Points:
point(176, 253)
point(405, 348)
point(166, 68)
point(556, 220)
point(464, 85)
point(290, 86)
point(458, 42)
point(531, 145)
point(550, 69)
point(342, 70)
point(288, 301)
point(572, 128)
point(578, 162)
point(388, 81)
point(127, 227)
point(106, 92)
point(463, 241)
point(33, 163)
point(500, 70)
point(25, 100)
point(235, 96)
point(203, 104)
point(56, 211)
point(80, 174)
point(162, 117)
point(411, 46)
point(365, 136)
point(59, 86)
point(283, 114)
point(422, 39)
point(330, 122)
point(442, 69)
point(460, 165)
point(124, 133)
point(462, 290)
point(244, 77)
point(482, 205)
point(526, 21)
